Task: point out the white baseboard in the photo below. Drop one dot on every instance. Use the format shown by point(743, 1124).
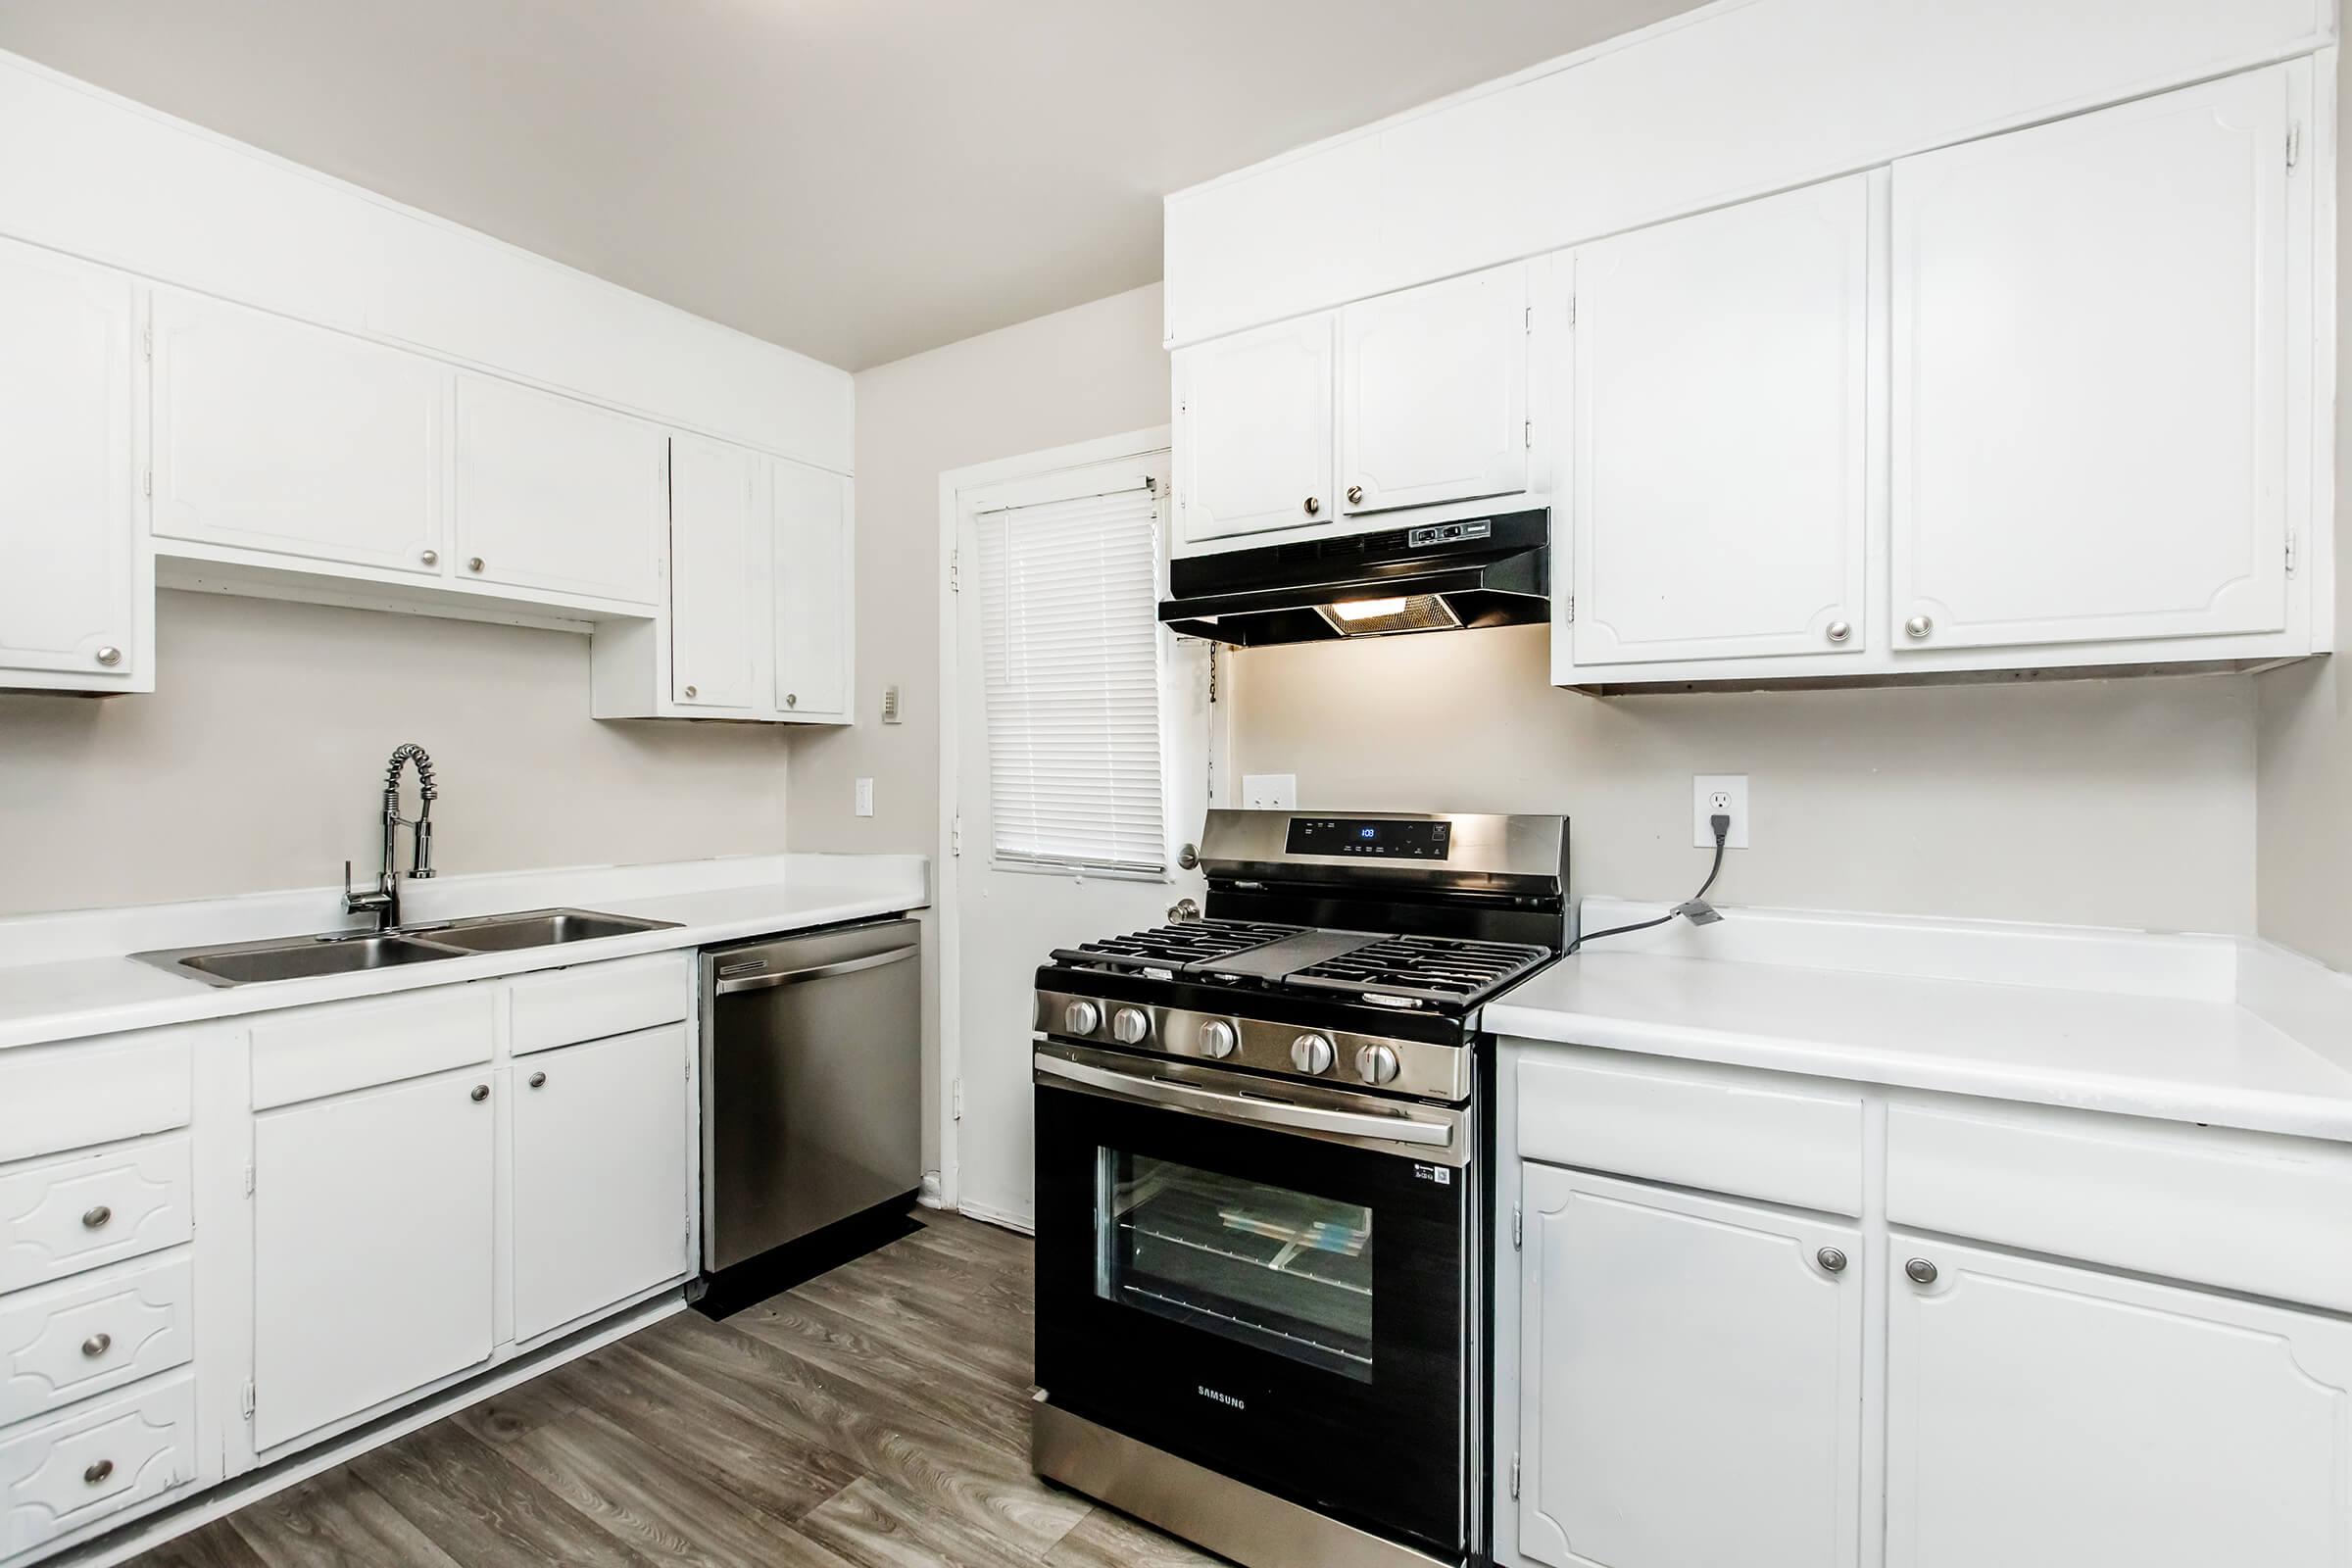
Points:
point(1010, 1219)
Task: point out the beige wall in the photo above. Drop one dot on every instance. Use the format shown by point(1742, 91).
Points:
point(258, 763)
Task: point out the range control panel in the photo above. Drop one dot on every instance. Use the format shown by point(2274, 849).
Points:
point(1384, 838)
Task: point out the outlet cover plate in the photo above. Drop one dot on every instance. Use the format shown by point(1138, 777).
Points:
point(1270, 792)
point(1704, 787)
point(865, 796)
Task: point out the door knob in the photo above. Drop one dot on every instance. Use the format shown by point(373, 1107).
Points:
point(1312, 506)
point(473, 563)
point(1838, 631)
point(690, 693)
point(1831, 1260)
point(481, 1092)
point(109, 657)
point(97, 1344)
point(431, 557)
point(1918, 627)
point(1356, 494)
point(97, 1474)
point(538, 1080)
point(1922, 1271)
point(96, 1218)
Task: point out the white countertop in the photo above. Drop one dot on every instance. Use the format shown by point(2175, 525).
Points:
point(54, 986)
point(2270, 1051)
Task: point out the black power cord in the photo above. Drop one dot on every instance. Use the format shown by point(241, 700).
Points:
point(1693, 908)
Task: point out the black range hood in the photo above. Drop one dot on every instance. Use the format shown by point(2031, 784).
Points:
point(1441, 576)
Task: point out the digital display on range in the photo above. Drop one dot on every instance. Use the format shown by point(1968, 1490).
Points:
point(1382, 838)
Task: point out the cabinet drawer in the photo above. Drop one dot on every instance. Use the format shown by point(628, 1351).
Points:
point(597, 999)
point(96, 1332)
point(2239, 1211)
point(1779, 1142)
point(63, 1216)
point(96, 1460)
point(357, 1045)
point(87, 1091)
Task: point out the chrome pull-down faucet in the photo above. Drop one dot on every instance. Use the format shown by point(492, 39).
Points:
point(383, 900)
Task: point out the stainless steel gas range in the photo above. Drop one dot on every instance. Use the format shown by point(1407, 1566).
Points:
point(1262, 1190)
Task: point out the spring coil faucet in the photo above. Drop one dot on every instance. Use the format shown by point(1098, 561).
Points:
point(384, 900)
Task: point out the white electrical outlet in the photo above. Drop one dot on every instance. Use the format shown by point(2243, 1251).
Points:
point(865, 796)
point(1713, 794)
point(1270, 792)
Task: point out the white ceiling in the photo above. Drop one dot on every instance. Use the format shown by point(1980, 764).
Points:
point(858, 179)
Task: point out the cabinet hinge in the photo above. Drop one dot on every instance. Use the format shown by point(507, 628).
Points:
point(147, 342)
point(147, 481)
point(1571, 309)
point(1527, 433)
point(1530, 320)
point(1568, 619)
point(1518, 1227)
point(248, 1180)
point(2294, 144)
point(956, 571)
point(955, 835)
point(955, 1100)
point(2290, 551)
point(1514, 1475)
point(245, 1402)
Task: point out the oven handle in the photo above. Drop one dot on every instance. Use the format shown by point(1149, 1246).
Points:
point(1241, 1108)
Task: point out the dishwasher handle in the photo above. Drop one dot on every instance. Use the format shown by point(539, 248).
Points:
point(819, 971)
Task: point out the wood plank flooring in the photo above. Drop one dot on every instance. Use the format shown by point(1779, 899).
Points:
point(874, 1417)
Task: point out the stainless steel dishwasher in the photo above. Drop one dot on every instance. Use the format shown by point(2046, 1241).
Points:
point(812, 1083)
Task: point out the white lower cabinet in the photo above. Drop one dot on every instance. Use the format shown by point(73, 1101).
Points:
point(95, 1460)
point(599, 1163)
point(2044, 1416)
point(1690, 1380)
point(372, 1249)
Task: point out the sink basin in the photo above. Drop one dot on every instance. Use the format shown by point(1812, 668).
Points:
point(243, 963)
point(502, 933)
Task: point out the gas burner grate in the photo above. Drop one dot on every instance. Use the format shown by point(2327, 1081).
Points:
point(1434, 971)
point(1174, 946)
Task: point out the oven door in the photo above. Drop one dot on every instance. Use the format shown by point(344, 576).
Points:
point(1272, 1280)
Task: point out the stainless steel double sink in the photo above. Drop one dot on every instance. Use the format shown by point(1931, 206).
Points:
point(240, 963)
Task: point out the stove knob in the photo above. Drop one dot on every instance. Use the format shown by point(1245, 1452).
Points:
point(1080, 1018)
point(1218, 1038)
point(1376, 1064)
point(1311, 1054)
point(1131, 1026)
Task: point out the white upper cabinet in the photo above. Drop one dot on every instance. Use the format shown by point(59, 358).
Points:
point(2095, 366)
point(1254, 431)
point(277, 436)
point(1721, 463)
point(556, 495)
point(718, 563)
point(75, 607)
point(1691, 1380)
point(2044, 1416)
point(1434, 393)
point(815, 565)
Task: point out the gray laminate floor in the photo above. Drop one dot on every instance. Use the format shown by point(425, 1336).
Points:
point(875, 1417)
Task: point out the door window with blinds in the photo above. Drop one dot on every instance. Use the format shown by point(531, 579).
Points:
point(1071, 646)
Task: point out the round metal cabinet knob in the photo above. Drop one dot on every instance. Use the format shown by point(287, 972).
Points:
point(1218, 1038)
point(1838, 631)
point(1312, 506)
point(97, 1344)
point(1311, 1054)
point(1356, 494)
point(1918, 627)
point(97, 1474)
point(538, 1080)
point(96, 1218)
point(1831, 1260)
point(1131, 1026)
point(431, 557)
point(481, 1092)
point(109, 656)
point(792, 699)
point(1080, 1018)
point(473, 563)
point(1376, 1064)
point(1922, 1271)
point(689, 692)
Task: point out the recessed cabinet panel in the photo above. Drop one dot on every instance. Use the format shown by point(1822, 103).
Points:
point(2042, 1417)
point(1433, 393)
point(717, 563)
point(68, 576)
point(1723, 433)
point(600, 1175)
point(372, 1249)
point(1689, 1381)
point(270, 434)
point(2092, 371)
point(1253, 419)
point(815, 590)
point(557, 495)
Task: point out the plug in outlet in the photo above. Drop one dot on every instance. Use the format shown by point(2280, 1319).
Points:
point(1719, 794)
point(1270, 792)
point(865, 796)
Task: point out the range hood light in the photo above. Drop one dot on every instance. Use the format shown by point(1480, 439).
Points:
point(1367, 609)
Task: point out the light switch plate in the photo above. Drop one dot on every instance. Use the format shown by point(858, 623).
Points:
point(1711, 793)
point(1270, 792)
point(891, 712)
point(865, 796)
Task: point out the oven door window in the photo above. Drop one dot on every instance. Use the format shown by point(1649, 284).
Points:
point(1284, 1272)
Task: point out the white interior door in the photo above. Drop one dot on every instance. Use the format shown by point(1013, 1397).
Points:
point(1010, 913)
point(2042, 1417)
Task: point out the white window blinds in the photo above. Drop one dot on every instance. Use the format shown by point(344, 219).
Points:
point(1070, 648)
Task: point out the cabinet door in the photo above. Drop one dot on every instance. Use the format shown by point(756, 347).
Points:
point(1723, 432)
point(274, 435)
point(372, 1249)
point(1254, 431)
point(1433, 393)
point(814, 567)
point(2044, 1416)
point(557, 495)
point(2091, 366)
point(600, 1175)
point(69, 580)
point(1691, 1380)
point(718, 565)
